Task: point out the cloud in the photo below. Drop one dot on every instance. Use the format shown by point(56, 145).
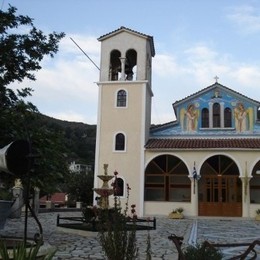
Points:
point(199, 63)
point(71, 116)
point(65, 87)
point(195, 70)
point(184, 71)
point(246, 18)
point(164, 65)
point(248, 76)
point(72, 44)
point(200, 53)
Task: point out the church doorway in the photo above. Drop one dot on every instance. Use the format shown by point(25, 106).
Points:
point(220, 188)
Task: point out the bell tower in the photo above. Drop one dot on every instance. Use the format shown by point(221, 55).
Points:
point(124, 109)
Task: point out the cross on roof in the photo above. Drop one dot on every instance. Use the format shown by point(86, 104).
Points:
point(216, 78)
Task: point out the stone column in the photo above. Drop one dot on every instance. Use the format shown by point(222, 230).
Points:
point(222, 115)
point(122, 59)
point(210, 114)
point(78, 204)
point(49, 204)
point(245, 196)
point(18, 196)
point(194, 196)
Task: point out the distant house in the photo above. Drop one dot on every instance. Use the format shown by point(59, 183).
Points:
point(79, 168)
point(57, 199)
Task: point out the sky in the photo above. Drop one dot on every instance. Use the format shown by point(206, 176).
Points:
point(195, 40)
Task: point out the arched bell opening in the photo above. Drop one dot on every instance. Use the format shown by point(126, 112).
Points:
point(131, 60)
point(115, 65)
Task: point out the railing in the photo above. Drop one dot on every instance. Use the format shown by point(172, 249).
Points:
point(76, 222)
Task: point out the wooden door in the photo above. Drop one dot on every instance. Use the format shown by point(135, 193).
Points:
point(220, 195)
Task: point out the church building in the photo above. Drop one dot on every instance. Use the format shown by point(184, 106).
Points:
point(206, 161)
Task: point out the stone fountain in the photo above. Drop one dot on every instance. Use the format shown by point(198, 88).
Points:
point(105, 191)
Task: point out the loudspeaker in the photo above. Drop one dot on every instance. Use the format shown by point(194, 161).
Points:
point(15, 158)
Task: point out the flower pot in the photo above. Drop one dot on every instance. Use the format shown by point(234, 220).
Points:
point(257, 217)
point(175, 215)
point(5, 210)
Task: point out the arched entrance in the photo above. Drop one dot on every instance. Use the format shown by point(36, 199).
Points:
point(220, 188)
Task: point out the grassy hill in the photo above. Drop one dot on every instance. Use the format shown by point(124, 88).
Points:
point(80, 139)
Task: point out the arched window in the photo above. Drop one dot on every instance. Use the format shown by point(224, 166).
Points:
point(216, 115)
point(115, 65)
point(166, 179)
point(205, 118)
point(121, 98)
point(227, 117)
point(118, 186)
point(120, 142)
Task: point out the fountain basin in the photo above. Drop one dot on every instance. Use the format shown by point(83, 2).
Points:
point(103, 192)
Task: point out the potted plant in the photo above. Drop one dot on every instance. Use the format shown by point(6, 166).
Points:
point(176, 213)
point(257, 217)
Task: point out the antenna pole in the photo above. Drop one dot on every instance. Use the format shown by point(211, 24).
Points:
point(85, 54)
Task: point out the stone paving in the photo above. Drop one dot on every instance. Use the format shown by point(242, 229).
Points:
point(84, 245)
point(229, 230)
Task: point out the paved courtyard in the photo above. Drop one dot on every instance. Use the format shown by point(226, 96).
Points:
point(73, 245)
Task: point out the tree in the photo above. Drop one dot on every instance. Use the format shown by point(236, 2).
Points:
point(80, 187)
point(20, 57)
point(21, 53)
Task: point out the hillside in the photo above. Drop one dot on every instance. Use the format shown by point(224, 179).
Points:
point(80, 139)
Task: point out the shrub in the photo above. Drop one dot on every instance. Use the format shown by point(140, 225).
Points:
point(116, 240)
point(20, 252)
point(178, 210)
point(202, 252)
point(89, 213)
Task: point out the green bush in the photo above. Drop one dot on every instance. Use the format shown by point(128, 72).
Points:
point(202, 252)
point(21, 252)
point(89, 213)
